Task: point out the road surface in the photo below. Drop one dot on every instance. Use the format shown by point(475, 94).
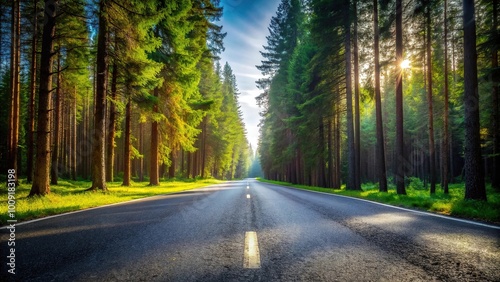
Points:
point(263, 232)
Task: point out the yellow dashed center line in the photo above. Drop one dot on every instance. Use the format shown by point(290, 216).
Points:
point(251, 257)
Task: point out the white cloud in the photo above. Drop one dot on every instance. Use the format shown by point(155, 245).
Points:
point(246, 25)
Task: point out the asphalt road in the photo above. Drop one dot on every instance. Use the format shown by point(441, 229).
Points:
point(300, 236)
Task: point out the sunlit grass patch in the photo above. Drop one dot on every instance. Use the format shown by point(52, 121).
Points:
point(441, 207)
point(476, 210)
point(71, 196)
point(418, 197)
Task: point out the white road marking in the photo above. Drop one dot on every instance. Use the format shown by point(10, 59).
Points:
point(248, 187)
point(248, 196)
point(251, 257)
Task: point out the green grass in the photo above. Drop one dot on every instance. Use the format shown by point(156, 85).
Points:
point(71, 196)
point(417, 198)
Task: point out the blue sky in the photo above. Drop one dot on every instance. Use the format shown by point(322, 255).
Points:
point(246, 22)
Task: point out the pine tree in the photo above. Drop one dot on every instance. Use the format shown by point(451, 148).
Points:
point(31, 104)
point(98, 152)
point(380, 151)
point(15, 57)
point(474, 179)
point(446, 142)
point(351, 178)
point(284, 31)
point(41, 184)
point(400, 157)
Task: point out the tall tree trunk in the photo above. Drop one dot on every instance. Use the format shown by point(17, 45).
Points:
point(298, 166)
point(204, 146)
point(338, 179)
point(98, 152)
point(474, 179)
point(73, 137)
point(380, 151)
point(41, 184)
point(432, 156)
point(54, 170)
point(171, 169)
point(15, 55)
point(183, 162)
point(154, 178)
point(84, 146)
point(126, 150)
point(195, 163)
point(446, 141)
point(64, 149)
point(357, 131)
point(189, 164)
point(321, 159)
point(141, 149)
point(400, 157)
point(331, 171)
point(110, 152)
point(31, 106)
point(495, 176)
point(351, 180)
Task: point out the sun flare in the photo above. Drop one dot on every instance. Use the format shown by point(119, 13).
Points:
point(405, 64)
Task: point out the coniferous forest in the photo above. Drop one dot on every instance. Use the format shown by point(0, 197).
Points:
point(113, 90)
point(249, 140)
point(390, 92)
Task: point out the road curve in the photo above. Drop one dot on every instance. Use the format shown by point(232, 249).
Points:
point(203, 235)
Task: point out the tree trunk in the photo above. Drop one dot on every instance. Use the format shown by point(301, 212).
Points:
point(171, 169)
point(41, 184)
point(64, 149)
point(195, 163)
point(188, 165)
point(84, 144)
point(474, 180)
point(321, 159)
point(380, 151)
point(495, 176)
point(432, 156)
point(14, 88)
point(203, 146)
point(154, 179)
point(141, 149)
point(110, 152)
point(73, 137)
point(31, 106)
point(357, 131)
point(183, 162)
point(331, 171)
point(446, 141)
point(54, 170)
point(126, 150)
point(338, 179)
point(400, 158)
point(98, 152)
point(351, 180)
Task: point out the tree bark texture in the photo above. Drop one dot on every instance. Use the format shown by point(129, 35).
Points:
point(41, 184)
point(473, 172)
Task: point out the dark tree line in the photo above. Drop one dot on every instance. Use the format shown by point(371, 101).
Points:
point(353, 88)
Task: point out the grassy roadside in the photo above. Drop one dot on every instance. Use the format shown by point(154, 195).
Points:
point(71, 196)
point(452, 204)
